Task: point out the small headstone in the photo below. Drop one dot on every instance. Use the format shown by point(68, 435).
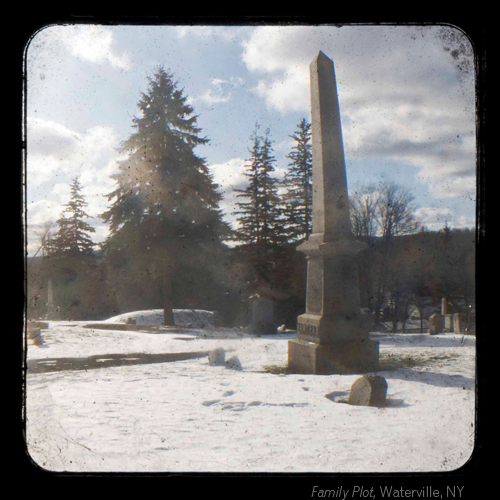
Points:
point(448, 323)
point(444, 306)
point(369, 390)
point(234, 363)
point(456, 323)
point(262, 317)
point(217, 357)
point(34, 331)
point(436, 324)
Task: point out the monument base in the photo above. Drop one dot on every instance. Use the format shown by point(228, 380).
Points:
point(347, 357)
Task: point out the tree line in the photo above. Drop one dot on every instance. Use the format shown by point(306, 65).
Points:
point(169, 246)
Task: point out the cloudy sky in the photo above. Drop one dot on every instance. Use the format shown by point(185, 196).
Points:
point(406, 97)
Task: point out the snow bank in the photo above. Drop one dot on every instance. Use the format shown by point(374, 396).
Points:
point(197, 318)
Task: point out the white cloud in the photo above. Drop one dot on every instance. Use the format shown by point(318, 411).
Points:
point(221, 33)
point(89, 43)
point(282, 65)
point(272, 48)
point(54, 148)
point(95, 44)
point(464, 221)
point(51, 148)
point(435, 218)
point(441, 145)
point(201, 31)
point(42, 211)
point(220, 90)
point(401, 94)
point(290, 94)
point(230, 177)
point(230, 174)
point(375, 64)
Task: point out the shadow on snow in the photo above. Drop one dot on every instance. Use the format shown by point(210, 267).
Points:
point(107, 361)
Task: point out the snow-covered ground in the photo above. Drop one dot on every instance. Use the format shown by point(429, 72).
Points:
point(197, 318)
point(135, 401)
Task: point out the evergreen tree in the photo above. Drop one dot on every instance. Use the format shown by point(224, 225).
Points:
point(297, 199)
point(72, 265)
point(259, 216)
point(72, 238)
point(260, 225)
point(166, 229)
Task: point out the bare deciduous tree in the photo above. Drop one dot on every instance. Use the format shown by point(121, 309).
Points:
point(364, 202)
point(44, 234)
point(378, 214)
point(395, 210)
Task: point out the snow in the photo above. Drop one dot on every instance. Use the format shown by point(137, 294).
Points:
point(155, 414)
point(197, 318)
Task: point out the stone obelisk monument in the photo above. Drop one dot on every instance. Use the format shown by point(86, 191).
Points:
point(333, 334)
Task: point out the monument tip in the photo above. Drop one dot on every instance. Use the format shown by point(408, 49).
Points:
point(321, 57)
point(322, 54)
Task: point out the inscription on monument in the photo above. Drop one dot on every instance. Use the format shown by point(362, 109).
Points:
point(306, 329)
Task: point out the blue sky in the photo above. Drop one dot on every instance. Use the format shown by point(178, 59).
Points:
point(406, 97)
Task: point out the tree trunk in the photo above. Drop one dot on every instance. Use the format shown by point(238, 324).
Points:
point(168, 313)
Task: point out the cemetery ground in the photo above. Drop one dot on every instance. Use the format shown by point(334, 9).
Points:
point(116, 397)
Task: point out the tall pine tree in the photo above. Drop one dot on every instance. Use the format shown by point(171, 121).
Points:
point(72, 238)
point(297, 199)
point(71, 263)
point(166, 230)
point(260, 228)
